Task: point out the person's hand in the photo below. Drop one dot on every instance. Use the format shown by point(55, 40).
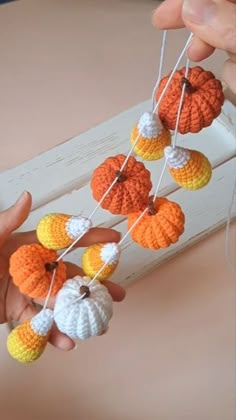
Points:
point(213, 23)
point(14, 306)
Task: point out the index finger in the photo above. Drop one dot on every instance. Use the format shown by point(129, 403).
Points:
point(95, 235)
point(12, 218)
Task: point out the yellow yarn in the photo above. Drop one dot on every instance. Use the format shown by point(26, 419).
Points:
point(51, 231)
point(195, 174)
point(19, 351)
point(25, 346)
point(58, 231)
point(27, 342)
point(151, 149)
point(92, 262)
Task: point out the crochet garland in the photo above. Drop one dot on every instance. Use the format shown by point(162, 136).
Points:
point(186, 100)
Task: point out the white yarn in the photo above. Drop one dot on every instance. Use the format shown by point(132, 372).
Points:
point(83, 317)
point(110, 253)
point(42, 322)
point(77, 225)
point(177, 157)
point(150, 125)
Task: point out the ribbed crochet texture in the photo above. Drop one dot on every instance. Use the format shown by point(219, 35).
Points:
point(87, 317)
point(203, 100)
point(95, 256)
point(152, 136)
point(160, 227)
point(58, 231)
point(189, 168)
point(31, 270)
point(129, 193)
point(26, 343)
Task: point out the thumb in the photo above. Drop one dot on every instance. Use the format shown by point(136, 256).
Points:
point(12, 218)
point(214, 22)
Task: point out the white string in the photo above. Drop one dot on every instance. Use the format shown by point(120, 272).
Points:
point(50, 289)
point(133, 146)
point(227, 256)
point(160, 180)
point(163, 46)
point(181, 103)
point(133, 225)
point(70, 247)
point(165, 163)
point(107, 192)
point(173, 72)
point(227, 231)
point(127, 158)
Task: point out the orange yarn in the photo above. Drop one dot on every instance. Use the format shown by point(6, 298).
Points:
point(160, 227)
point(202, 102)
point(129, 193)
point(31, 272)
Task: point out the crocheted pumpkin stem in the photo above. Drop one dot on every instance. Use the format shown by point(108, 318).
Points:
point(189, 86)
point(84, 290)
point(51, 266)
point(151, 209)
point(121, 176)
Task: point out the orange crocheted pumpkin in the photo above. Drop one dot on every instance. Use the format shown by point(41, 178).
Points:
point(31, 268)
point(130, 192)
point(202, 101)
point(160, 226)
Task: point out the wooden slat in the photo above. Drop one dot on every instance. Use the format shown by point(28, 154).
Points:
point(205, 210)
point(59, 181)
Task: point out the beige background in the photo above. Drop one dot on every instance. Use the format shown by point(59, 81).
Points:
point(169, 354)
point(67, 65)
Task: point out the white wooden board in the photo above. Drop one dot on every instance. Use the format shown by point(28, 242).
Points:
point(59, 181)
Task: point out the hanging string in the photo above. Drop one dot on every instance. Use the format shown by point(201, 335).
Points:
point(181, 103)
point(156, 191)
point(163, 46)
point(176, 127)
point(70, 247)
point(162, 172)
point(173, 72)
point(128, 156)
point(50, 289)
point(135, 142)
point(160, 180)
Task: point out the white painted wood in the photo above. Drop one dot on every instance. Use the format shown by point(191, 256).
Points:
point(59, 181)
point(205, 210)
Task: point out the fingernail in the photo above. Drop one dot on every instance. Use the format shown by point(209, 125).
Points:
point(22, 196)
point(198, 11)
point(75, 347)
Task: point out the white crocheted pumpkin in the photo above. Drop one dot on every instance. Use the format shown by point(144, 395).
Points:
point(83, 311)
